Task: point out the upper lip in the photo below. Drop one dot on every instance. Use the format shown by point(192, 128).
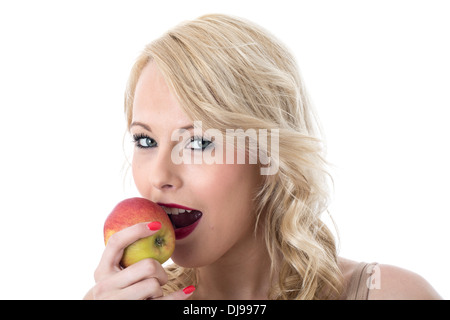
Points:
point(174, 205)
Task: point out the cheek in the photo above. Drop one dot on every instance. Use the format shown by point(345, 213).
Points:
point(225, 193)
point(229, 191)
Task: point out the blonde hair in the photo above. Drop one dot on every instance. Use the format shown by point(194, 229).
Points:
point(230, 73)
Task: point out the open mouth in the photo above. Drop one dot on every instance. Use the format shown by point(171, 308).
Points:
point(184, 220)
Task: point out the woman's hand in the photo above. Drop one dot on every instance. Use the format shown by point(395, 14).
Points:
point(142, 280)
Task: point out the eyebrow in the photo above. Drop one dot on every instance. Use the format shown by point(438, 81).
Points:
point(146, 127)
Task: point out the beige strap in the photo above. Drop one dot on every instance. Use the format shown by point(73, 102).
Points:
point(359, 285)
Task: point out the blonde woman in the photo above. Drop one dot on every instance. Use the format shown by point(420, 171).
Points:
point(227, 142)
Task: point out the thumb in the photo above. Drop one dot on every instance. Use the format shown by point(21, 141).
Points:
point(180, 294)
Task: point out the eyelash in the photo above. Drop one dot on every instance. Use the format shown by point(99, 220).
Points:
point(203, 140)
point(140, 136)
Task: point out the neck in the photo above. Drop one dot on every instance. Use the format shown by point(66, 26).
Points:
point(241, 274)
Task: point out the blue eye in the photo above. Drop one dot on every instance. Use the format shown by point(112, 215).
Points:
point(198, 143)
point(143, 141)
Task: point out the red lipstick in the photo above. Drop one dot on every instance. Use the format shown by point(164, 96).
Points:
point(174, 205)
point(181, 233)
point(184, 223)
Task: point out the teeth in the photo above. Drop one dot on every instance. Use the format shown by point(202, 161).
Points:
point(175, 211)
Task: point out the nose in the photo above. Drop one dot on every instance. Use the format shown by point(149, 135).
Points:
point(163, 174)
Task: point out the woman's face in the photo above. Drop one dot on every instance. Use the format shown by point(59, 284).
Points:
point(223, 193)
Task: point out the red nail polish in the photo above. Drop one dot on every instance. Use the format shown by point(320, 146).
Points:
point(154, 226)
point(189, 289)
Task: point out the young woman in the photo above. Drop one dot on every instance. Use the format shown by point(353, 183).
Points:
point(247, 215)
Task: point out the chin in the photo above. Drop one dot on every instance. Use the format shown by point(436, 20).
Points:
point(187, 258)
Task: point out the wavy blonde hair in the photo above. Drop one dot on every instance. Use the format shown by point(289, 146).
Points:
point(230, 73)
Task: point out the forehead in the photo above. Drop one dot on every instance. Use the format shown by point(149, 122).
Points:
point(154, 103)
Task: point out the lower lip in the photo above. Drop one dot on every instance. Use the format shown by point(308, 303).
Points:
point(182, 233)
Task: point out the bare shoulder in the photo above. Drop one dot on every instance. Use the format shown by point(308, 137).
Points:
point(389, 282)
point(400, 284)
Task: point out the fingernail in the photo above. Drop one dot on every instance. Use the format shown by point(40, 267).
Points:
point(189, 289)
point(155, 225)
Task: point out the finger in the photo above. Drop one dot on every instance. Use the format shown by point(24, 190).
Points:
point(122, 239)
point(180, 294)
point(110, 261)
point(141, 270)
point(145, 289)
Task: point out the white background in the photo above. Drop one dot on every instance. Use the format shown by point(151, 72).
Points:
point(378, 73)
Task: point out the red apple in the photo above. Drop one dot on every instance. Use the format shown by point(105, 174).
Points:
point(128, 212)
